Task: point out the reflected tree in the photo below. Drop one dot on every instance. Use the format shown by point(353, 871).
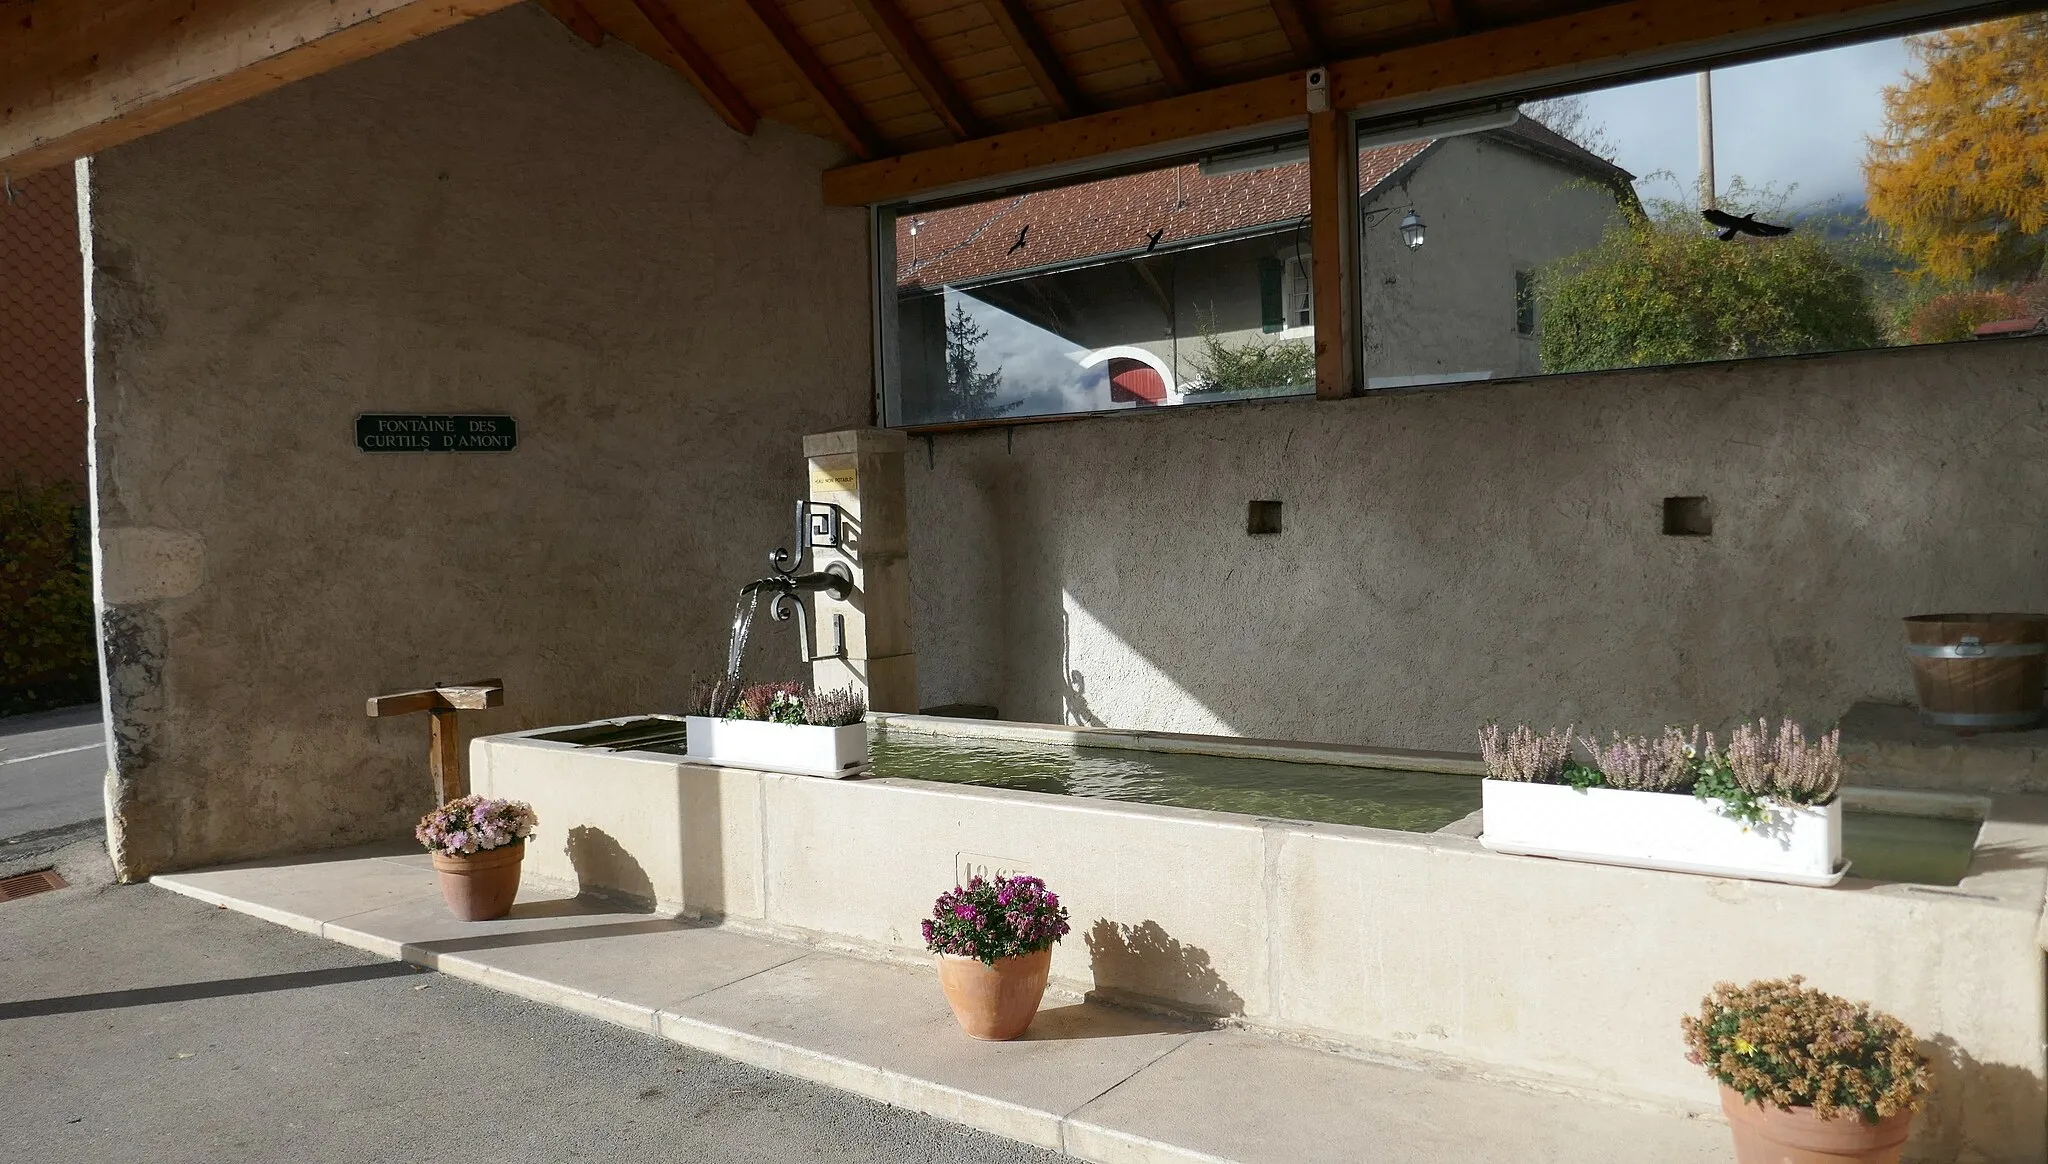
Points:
point(970, 393)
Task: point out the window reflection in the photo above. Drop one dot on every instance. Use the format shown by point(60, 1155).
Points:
point(1185, 284)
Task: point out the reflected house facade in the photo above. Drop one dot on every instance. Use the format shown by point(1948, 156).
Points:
point(1193, 283)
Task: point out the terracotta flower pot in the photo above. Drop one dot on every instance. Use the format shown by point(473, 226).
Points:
point(480, 886)
point(1766, 1135)
point(994, 1002)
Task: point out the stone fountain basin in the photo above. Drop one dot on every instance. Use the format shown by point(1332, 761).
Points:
point(1420, 945)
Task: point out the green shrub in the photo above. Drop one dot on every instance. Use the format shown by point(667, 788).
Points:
point(1660, 291)
point(1226, 367)
point(46, 617)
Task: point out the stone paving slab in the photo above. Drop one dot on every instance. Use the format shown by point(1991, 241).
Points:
point(1099, 1083)
point(1228, 1095)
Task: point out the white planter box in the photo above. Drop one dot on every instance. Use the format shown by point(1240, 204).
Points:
point(779, 747)
point(1797, 843)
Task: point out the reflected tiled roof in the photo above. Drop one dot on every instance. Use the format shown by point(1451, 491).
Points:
point(1118, 215)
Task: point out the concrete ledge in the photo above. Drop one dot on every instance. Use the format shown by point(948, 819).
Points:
point(1886, 745)
point(1096, 1082)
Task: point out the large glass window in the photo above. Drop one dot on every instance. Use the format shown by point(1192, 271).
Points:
point(1184, 284)
point(1882, 194)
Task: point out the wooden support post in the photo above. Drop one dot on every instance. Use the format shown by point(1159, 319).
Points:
point(444, 755)
point(1333, 243)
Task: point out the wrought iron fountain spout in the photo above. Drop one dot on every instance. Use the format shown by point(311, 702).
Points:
point(818, 524)
point(835, 579)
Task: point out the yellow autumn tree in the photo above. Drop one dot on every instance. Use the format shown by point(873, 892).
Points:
point(1960, 172)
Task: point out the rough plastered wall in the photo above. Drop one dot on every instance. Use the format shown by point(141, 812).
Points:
point(1489, 551)
point(497, 218)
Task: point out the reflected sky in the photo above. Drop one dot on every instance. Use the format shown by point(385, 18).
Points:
point(1800, 121)
point(1039, 367)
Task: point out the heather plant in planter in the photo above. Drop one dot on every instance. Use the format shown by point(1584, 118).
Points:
point(478, 844)
point(1805, 1075)
point(1764, 807)
point(780, 727)
point(994, 943)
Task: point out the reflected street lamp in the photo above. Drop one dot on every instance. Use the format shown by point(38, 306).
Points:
point(1411, 230)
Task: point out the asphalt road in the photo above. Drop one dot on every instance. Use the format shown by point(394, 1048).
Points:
point(136, 1025)
point(52, 765)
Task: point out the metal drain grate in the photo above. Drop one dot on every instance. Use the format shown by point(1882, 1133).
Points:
point(29, 884)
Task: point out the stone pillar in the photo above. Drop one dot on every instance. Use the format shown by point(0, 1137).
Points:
point(861, 471)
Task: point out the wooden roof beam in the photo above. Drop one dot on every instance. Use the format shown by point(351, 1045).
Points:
point(1038, 56)
point(1300, 27)
point(1647, 37)
point(698, 67)
point(845, 117)
point(1162, 40)
point(83, 77)
point(576, 19)
point(1447, 16)
point(904, 43)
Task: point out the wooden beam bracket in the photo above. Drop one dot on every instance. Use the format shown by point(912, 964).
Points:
point(444, 755)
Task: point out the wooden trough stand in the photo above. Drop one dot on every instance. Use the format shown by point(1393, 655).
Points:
point(445, 749)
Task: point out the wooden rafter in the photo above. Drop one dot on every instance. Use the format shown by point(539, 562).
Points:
point(577, 19)
point(846, 118)
point(1447, 16)
point(1299, 25)
point(904, 43)
point(699, 68)
point(77, 83)
point(1038, 57)
point(1645, 36)
point(1162, 39)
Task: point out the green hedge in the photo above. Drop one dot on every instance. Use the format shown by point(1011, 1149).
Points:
point(46, 620)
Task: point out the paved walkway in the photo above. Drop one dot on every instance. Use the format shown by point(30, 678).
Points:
point(1096, 1082)
point(140, 1026)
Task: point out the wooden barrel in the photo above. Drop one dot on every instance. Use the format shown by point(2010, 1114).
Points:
point(1979, 672)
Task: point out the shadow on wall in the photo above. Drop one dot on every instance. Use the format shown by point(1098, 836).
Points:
point(1075, 694)
point(1980, 1094)
point(1143, 963)
point(606, 870)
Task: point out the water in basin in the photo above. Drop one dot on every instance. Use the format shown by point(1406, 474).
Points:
point(1335, 794)
point(1921, 850)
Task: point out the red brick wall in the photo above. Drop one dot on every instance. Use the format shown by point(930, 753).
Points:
point(42, 333)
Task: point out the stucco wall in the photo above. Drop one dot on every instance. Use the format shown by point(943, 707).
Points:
point(497, 218)
point(1491, 551)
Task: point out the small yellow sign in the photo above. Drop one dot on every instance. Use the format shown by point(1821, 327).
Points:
point(839, 478)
